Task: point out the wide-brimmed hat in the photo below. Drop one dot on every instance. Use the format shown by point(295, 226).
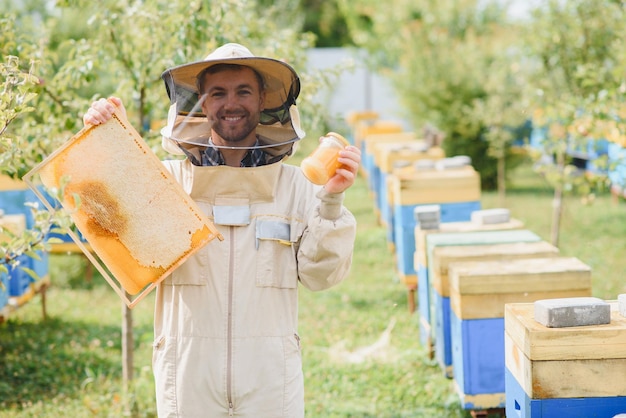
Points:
point(187, 126)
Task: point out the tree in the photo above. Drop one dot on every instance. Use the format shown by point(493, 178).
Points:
point(577, 60)
point(24, 137)
point(454, 65)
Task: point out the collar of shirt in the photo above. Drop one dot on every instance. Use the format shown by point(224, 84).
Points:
point(212, 156)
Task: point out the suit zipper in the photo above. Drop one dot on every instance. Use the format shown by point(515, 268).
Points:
point(229, 365)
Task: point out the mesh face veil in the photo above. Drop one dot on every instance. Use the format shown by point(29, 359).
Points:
point(188, 127)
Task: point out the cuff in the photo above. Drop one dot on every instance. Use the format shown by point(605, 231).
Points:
point(331, 203)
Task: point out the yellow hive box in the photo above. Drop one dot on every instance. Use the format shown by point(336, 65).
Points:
point(574, 362)
point(443, 257)
point(367, 144)
point(363, 130)
point(480, 289)
point(137, 219)
point(369, 141)
point(386, 154)
point(355, 117)
point(436, 186)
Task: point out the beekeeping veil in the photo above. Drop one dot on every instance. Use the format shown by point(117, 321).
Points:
point(188, 127)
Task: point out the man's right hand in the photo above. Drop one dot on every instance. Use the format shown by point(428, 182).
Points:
point(102, 110)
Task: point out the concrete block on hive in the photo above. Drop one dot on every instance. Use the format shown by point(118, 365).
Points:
point(491, 216)
point(451, 163)
point(572, 312)
point(426, 164)
point(427, 216)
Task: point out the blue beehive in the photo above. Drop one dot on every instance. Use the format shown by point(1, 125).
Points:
point(440, 299)
point(14, 194)
point(479, 290)
point(422, 267)
point(456, 191)
point(575, 372)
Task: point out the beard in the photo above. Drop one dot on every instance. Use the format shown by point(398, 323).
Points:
point(237, 133)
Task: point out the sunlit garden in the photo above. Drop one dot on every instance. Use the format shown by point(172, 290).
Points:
point(507, 124)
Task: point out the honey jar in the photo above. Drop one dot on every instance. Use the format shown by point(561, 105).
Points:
point(322, 164)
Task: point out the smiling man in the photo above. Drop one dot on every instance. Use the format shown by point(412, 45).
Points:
point(226, 339)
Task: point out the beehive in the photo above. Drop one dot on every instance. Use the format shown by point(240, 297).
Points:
point(456, 191)
point(479, 291)
point(439, 304)
point(137, 219)
point(421, 266)
point(387, 155)
point(444, 256)
point(368, 152)
point(574, 372)
point(365, 128)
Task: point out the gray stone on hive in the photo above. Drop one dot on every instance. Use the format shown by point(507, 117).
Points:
point(427, 213)
point(459, 161)
point(621, 300)
point(424, 164)
point(429, 225)
point(572, 312)
point(491, 216)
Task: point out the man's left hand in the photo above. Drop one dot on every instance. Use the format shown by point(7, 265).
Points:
point(349, 158)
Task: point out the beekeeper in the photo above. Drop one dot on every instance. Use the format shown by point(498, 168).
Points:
point(226, 334)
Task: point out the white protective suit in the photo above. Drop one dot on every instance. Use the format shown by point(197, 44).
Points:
point(226, 338)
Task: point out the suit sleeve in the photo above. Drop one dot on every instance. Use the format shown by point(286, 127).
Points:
point(327, 245)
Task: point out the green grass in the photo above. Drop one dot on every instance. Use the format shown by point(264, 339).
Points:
point(70, 365)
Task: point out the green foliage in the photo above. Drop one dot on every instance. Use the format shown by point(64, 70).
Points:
point(454, 65)
point(17, 98)
point(322, 17)
point(578, 74)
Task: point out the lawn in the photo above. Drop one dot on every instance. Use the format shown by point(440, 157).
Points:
point(362, 356)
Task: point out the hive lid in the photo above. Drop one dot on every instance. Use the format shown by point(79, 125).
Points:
point(137, 219)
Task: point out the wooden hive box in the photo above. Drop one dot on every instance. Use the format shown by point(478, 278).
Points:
point(439, 304)
point(456, 191)
point(444, 256)
point(377, 148)
point(436, 186)
point(368, 153)
point(479, 291)
point(421, 265)
point(387, 155)
point(366, 128)
point(575, 372)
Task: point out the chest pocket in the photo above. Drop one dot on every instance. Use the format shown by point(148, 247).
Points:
point(275, 243)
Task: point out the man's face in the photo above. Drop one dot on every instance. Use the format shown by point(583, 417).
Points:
point(233, 102)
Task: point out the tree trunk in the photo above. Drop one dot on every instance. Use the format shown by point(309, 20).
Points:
point(501, 181)
point(127, 345)
point(557, 202)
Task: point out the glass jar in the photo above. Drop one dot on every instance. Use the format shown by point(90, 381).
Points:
point(322, 164)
